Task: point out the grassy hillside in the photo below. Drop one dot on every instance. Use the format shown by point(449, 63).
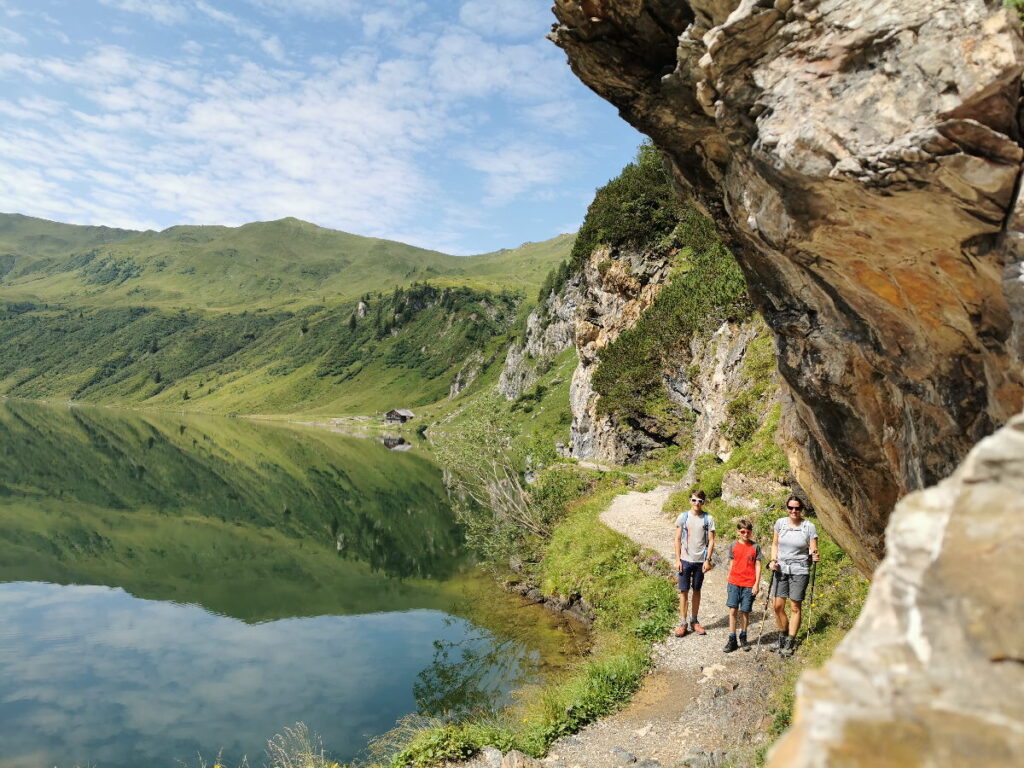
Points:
point(277, 264)
point(403, 350)
point(273, 317)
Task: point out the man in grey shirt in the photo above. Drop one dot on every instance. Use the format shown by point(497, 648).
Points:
point(794, 547)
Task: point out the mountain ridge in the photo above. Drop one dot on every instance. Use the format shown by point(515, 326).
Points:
point(283, 263)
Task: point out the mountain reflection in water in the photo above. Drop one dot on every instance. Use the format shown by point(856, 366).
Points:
point(226, 579)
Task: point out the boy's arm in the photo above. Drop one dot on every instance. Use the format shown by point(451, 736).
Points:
point(757, 571)
point(711, 551)
point(679, 548)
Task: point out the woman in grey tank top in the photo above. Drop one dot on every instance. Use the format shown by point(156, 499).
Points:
point(794, 548)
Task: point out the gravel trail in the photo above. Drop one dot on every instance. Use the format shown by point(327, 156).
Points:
point(699, 707)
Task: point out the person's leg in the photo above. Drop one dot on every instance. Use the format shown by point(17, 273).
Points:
point(684, 593)
point(797, 588)
point(794, 617)
point(744, 621)
point(779, 606)
point(698, 582)
point(732, 620)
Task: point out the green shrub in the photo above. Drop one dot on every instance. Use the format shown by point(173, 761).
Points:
point(637, 208)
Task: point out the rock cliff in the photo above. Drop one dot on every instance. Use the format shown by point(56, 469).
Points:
point(861, 157)
point(932, 672)
point(549, 331)
point(615, 287)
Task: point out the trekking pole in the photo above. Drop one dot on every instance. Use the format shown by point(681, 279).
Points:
point(810, 604)
point(764, 614)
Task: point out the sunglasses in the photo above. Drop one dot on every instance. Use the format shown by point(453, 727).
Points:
point(794, 508)
point(695, 500)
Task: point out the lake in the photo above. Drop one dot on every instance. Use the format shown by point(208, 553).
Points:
point(175, 586)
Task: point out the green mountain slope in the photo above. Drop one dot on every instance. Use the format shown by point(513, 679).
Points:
point(286, 263)
point(273, 317)
point(403, 351)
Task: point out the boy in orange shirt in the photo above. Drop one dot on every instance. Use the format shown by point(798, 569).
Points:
point(744, 584)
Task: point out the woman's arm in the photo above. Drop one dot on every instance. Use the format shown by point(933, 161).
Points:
point(775, 550)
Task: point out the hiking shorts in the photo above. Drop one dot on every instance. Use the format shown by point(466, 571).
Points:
point(740, 597)
point(791, 585)
point(692, 576)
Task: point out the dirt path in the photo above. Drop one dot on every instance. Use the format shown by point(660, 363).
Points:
point(699, 706)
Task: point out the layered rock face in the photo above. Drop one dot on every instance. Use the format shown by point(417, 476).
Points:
point(932, 673)
point(549, 332)
point(861, 157)
point(607, 297)
point(614, 290)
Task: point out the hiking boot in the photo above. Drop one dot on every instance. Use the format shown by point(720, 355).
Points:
point(730, 645)
point(788, 646)
point(698, 628)
point(681, 630)
point(743, 641)
point(779, 645)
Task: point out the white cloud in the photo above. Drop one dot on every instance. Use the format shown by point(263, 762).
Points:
point(10, 37)
point(270, 44)
point(509, 18)
point(163, 11)
point(317, 9)
point(516, 168)
point(366, 135)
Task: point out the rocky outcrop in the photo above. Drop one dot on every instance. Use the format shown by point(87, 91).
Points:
point(615, 289)
point(467, 374)
point(932, 672)
point(861, 157)
point(700, 378)
point(706, 381)
point(549, 332)
point(750, 492)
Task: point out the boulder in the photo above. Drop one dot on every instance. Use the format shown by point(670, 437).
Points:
point(932, 674)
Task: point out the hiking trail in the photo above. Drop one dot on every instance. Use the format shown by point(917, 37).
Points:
point(698, 707)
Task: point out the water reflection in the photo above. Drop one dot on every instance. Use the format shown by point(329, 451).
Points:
point(225, 579)
point(179, 508)
point(91, 676)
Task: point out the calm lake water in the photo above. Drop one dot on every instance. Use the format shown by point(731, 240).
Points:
point(175, 586)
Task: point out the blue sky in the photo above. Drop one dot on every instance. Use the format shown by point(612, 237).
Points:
point(449, 124)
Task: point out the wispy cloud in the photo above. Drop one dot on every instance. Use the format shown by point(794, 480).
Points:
point(399, 130)
point(510, 18)
point(271, 44)
point(163, 11)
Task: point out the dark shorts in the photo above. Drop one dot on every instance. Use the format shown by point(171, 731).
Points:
point(740, 597)
point(791, 585)
point(691, 577)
